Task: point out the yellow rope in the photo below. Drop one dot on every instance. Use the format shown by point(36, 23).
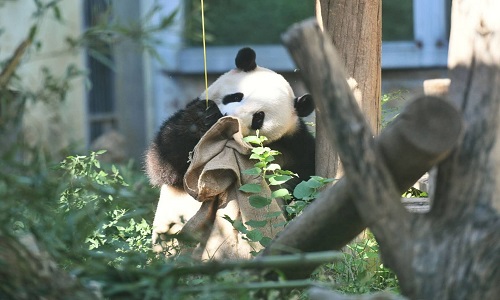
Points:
point(204, 50)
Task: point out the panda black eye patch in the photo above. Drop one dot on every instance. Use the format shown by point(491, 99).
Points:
point(236, 97)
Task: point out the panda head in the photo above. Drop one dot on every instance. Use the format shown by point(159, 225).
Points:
point(260, 98)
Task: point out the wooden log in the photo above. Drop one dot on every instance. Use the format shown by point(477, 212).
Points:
point(452, 252)
point(333, 220)
point(437, 87)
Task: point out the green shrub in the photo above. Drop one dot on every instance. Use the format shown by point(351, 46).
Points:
point(361, 270)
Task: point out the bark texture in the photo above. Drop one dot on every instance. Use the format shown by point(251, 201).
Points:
point(30, 273)
point(407, 155)
point(355, 27)
point(452, 252)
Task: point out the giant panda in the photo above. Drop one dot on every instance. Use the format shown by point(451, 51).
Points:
point(262, 100)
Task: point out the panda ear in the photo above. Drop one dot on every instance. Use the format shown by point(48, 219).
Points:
point(245, 59)
point(304, 105)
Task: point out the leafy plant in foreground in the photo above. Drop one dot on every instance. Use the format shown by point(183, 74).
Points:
point(361, 270)
point(305, 192)
point(275, 177)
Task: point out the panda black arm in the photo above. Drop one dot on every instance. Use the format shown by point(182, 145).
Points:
point(168, 154)
point(298, 153)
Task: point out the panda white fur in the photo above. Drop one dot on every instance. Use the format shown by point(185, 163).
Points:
point(262, 99)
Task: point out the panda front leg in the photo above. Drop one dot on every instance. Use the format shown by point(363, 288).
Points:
point(167, 161)
point(175, 207)
point(167, 158)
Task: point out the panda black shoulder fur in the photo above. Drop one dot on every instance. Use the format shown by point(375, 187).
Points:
point(262, 99)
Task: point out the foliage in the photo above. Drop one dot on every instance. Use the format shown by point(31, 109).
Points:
point(94, 219)
point(305, 192)
point(86, 216)
point(272, 175)
point(110, 211)
point(413, 192)
point(391, 105)
point(361, 270)
point(109, 30)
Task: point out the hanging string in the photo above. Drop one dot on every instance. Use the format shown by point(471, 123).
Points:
point(204, 49)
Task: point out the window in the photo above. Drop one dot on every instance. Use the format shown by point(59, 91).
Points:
point(233, 22)
point(100, 97)
point(426, 45)
point(415, 32)
point(397, 20)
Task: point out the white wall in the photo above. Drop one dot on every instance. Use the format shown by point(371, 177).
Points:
point(59, 125)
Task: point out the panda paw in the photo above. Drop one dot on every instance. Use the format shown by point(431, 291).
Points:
point(205, 114)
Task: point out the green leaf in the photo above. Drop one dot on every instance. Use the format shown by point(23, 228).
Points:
point(168, 20)
point(260, 150)
point(274, 152)
point(33, 31)
point(238, 225)
point(250, 188)
point(280, 224)
point(273, 167)
point(287, 172)
point(302, 190)
point(255, 156)
point(265, 241)
point(252, 171)
point(252, 140)
point(273, 214)
point(228, 218)
point(313, 183)
point(260, 164)
point(259, 201)
point(255, 235)
point(256, 224)
point(280, 179)
point(57, 12)
point(280, 193)
point(270, 158)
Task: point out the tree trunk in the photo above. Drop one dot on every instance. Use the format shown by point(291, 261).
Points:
point(27, 272)
point(452, 252)
point(355, 27)
point(406, 154)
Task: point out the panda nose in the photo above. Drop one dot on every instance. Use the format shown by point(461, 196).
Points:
point(258, 120)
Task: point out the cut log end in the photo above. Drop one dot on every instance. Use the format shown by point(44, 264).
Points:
point(431, 124)
point(291, 35)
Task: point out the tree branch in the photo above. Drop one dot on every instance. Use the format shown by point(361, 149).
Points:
point(333, 220)
point(375, 194)
point(474, 66)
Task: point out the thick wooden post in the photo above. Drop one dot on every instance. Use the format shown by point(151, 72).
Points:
point(355, 27)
